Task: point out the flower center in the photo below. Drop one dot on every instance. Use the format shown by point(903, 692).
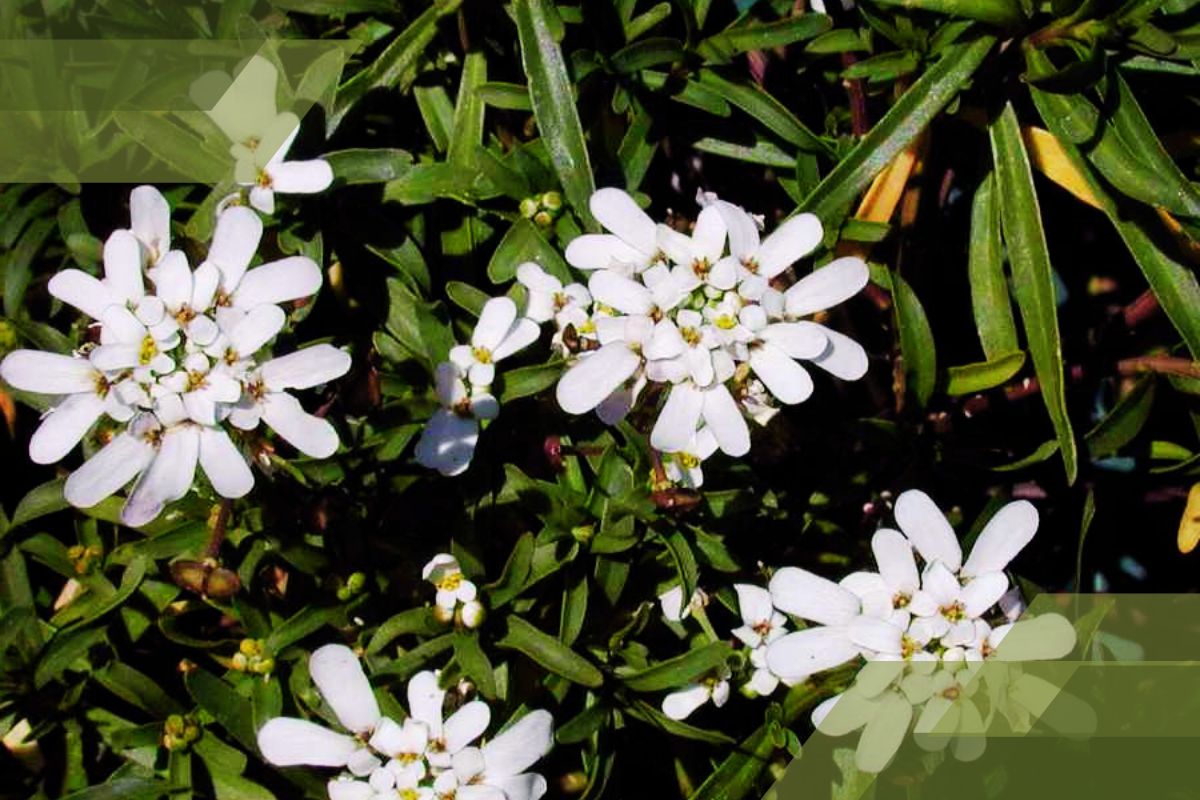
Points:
point(726, 322)
point(101, 385)
point(184, 315)
point(148, 350)
point(901, 600)
point(264, 180)
point(687, 460)
point(762, 628)
point(690, 335)
point(954, 612)
point(450, 582)
point(908, 647)
point(196, 380)
point(561, 301)
point(231, 356)
point(482, 355)
point(222, 298)
point(951, 693)
point(701, 266)
point(750, 264)
point(256, 389)
point(463, 408)
point(408, 794)
point(408, 758)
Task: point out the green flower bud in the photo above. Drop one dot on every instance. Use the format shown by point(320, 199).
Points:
point(552, 202)
point(529, 207)
point(543, 219)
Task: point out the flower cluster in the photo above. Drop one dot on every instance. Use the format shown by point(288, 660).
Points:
point(923, 631)
point(176, 362)
point(715, 329)
point(427, 755)
point(456, 596)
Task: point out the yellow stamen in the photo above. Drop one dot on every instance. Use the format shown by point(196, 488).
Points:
point(482, 355)
point(148, 350)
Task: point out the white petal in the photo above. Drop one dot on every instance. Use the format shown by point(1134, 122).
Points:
point(120, 325)
point(796, 339)
point(150, 219)
point(593, 251)
point(224, 465)
point(349, 789)
point(301, 177)
point(789, 382)
point(107, 471)
point(844, 713)
point(205, 281)
point(678, 420)
point(743, 232)
point(256, 329)
point(681, 704)
point(466, 725)
point(787, 244)
point(941, 584)
point(724, 419)
point(278, 282)
point(479, 792)
point(894, 555)
point(173, 280)
point(425, 700)
point(48, 373)
point(708, 235)
point(927, 528)
point(1005, 535)
point(447, 443)
point(799, 592)
point(592, 379)
point(1049, 636)
point(724, 273)
point(495, 320)
point(63, 427)
point(797, 655)
point(665, 342)
point(618, 213)
point(827, 286)
point(287, 742)
point(123, 266)
point(983, 592)
point(523, 333)
point(520, 745)
point(168, 477)
point(884, 733)
point(306, 368)
point(624, 294)
point(310, 435)
point(531, 275)
point(81, 290)
point(339, 677)
point(842, 357)
point(529, 786)
point(875, 635)
point(671, 602)
point(754, 603)
point(235, 240)
point(970, 743)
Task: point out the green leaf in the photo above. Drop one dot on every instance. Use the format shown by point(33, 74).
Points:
point(990, 301)
point(916, 340)
point(984, 375)
point(550, 653)
point(763, 151)
point(652, 716)
point(903, 122)
point(883, 67)
point(123, 789)
point(678, 671)
point(40, 501)
point(1044, 451)
point(336, 8)
point(839, 40)
point(1122, 425)
point(516, 572)
point(685, 562)
point(1006, 13)
point(302, 623)
point(550, 93)
point(723, 46)
point(396, 66)
point(755, 101)
point(369, 165)
point(18, 264)
point(417, 621)
point(466, 297)
point(412, 660)
point(646, 53)
point(191, 157)
point(574, 609)
point(64, 652)
point(412, 321)
point(437, 113)
point(137, 689)
point(524, 242)
point(530, 380)
point(475, 663)
point(467, 133)
point(583, 724)
point(509, 96)
point(227, 707)
point(1033, 283)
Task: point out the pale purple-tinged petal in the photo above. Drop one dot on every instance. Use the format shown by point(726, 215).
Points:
point(983, 592)
point(341, 788)
point(754, 603)
point(837, 281)
point(743, 231)
point(624, 294)
point(586, 384)
point(678, 420)
point(787, 244)
point(447, 443)
point(665, 342)
point(168, 477)
point(883, 734)
point(224, 464)
point(263, 199)
point(1004, 535)
point(799, 592)
point(278, 282)
point(301, 177)
point(339, 677)
point(425, 701)
point(708, 235)
point(523, 333)
point(724, 274)
point(875, 635)
point(927, 528)
point(842, 357)
point(620, 214)
point(102, 475)
point(63, 427)
point(313, 436)
point(48, 373)
point(306, 368)
point(76, 288)
point(941, 584)
point(796, 339)
point(173, 280)
point(724, 419)
point(520, 745)
point(495, 320)
point(287, 742)
point(528, 786)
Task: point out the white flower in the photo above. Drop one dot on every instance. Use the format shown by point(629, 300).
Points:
point(447, 576)
point(685, 466)
point(672, 605)
point(339, 677)
point(841, 634)
point(753, 263)
point(680, 704)
point(498, 334)
point(774, 351)
point(761, 625)
point(549, 299)
point(85, 391)
point(286, 177)
point(876, 704)
point(888, 593)
point(695, 256)
point(265, 398)
point(502, 762)
point(688, 405)
point(599, 373)
point(447, 443)
point(632, 245)
point(425, 735)
point(824, 288)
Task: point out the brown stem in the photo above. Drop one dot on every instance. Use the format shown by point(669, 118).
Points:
point(217, 537)
point(859, 123)
point(1163, 365)
point(1141, 309)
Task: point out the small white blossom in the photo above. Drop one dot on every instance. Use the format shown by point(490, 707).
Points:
point(447, 576)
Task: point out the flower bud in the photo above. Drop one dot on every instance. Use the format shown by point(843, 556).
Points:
point(443, 615)
point(543, 219)
point(529, 207)
point(356, 582)
point(472, 614)
point(552, 202)
point(583, 533)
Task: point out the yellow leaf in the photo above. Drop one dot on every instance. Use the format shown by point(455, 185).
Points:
point(1050, 159)
point(1189, 526)
point(886, 190)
